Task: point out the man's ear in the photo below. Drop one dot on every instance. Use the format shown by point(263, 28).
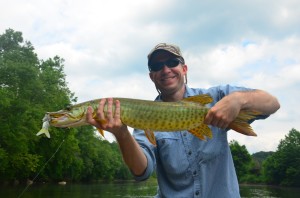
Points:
point(185, 68)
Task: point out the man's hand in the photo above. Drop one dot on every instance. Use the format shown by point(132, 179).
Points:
point(223, 112)
point(111, 121)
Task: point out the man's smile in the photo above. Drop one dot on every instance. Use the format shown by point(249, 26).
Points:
point(168, 78)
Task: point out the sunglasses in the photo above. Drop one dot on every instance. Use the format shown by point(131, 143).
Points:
point(169, 63)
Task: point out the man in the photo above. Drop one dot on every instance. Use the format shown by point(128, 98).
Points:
point(185, 165)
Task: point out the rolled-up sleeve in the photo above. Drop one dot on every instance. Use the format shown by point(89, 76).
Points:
point(149, 151)
point(221, 91)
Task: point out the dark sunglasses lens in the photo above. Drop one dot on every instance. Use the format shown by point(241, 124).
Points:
point(157, 66)
point(172, 62)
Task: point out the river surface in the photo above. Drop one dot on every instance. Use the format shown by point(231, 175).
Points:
point(128, 189)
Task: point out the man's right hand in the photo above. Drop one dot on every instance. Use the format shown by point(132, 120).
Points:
point(111, 121)
point(131, 151)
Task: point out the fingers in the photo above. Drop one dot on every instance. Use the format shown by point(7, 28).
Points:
point(118, 110)
point(107, 115)
point(100, 111)
point(89, 114)
point(98, 119)
point(89, 117)
point(208, 118)
point(217, 119)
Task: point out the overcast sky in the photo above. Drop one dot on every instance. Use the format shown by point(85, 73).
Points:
point(250, 43)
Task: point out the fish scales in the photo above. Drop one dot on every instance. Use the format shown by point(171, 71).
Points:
point(161, 116)
point(187, 114)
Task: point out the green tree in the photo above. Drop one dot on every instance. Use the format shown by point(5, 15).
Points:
point(261, 156)
point(18, 74)
point(102, 160)
point(242, 160)
point(29, 87)
point(256, 170)
point(282, 168)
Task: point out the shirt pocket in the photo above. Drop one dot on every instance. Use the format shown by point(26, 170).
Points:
point(171, 154)
point(212, 148)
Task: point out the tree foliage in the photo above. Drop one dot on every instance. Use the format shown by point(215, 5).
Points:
point(242, 160)
point(261, 156)
point(277, 168)
point(29, 87)
point(282, 168)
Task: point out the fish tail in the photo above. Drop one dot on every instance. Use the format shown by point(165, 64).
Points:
point(241, 123)
point(44, 131)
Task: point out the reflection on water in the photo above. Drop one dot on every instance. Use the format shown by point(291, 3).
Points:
point(128, 189)
point(99, 189)
point(253, 191)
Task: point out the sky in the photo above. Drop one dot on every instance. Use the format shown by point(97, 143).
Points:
point(249, 43)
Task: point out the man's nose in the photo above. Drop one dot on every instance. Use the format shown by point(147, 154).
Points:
point(165, 68)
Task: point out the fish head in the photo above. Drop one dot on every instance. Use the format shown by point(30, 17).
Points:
point(69, 117)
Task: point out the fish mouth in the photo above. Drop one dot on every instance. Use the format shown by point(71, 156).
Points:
point(62, 119)
point(69, 124)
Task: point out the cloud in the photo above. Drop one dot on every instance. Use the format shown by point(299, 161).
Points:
point(105, 45)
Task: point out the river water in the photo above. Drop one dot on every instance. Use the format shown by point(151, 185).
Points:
point(128, 189)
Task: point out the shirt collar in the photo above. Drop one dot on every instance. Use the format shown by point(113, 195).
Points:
point(188, 92)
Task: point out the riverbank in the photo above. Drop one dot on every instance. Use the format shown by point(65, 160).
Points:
point(106, 189)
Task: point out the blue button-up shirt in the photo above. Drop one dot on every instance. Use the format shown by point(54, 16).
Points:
point(188, 167)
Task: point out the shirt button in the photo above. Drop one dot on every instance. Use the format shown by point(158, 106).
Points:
point(195, 173)
point(197, 193)
point(184, 134)
point(190, 152)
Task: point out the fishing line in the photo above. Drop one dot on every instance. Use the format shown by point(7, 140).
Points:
point(41, 169)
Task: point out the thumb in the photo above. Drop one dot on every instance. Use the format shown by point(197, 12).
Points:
point(208, 118)
point(89, 114)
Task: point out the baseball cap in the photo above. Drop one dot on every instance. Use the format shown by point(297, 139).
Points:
point(173, 49)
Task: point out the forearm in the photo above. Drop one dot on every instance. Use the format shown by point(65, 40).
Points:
point(111, 121)
point(132, 153)
point(257, 100)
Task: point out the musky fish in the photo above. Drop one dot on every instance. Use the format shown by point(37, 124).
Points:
point(150, 116)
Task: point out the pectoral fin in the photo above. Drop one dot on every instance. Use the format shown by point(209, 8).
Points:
point(101, 122)
point(150, 135)
point(101, 132)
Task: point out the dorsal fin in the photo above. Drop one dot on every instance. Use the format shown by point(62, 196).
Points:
point(202, 99)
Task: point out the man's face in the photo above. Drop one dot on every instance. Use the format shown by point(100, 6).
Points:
point(169, 79)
